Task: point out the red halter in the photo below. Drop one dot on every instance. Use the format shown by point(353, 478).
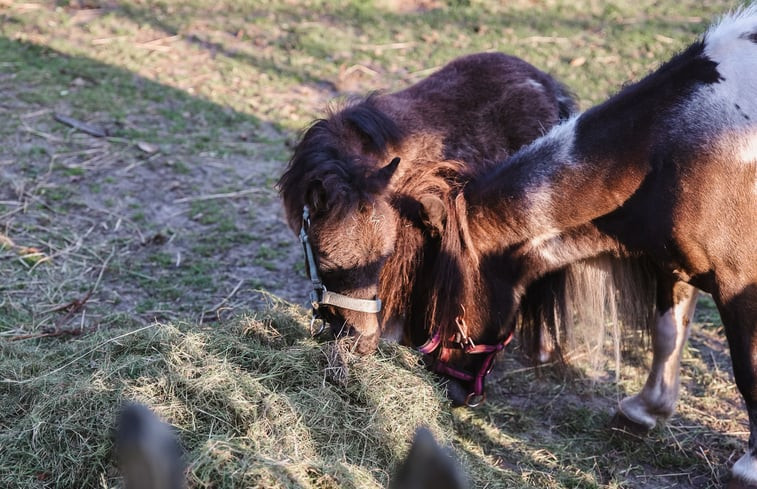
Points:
point(461, 340)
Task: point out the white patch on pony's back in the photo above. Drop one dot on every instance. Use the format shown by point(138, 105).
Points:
point(564, 134)
point(724, 114)
point(534, 84)
point(748, 149)
point(530, 82)
point(733, 24)
point(728, 44)
point(550, 154)
point(539, 205)
point(739, 146)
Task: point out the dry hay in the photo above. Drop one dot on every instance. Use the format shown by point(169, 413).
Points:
point(254, 402)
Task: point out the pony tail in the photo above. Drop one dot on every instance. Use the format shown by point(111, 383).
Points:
point(597, 305)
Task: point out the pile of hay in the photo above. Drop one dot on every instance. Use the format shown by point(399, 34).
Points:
point(256, 401)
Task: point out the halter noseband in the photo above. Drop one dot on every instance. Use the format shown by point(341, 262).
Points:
point(319, 296)
point(477, 395)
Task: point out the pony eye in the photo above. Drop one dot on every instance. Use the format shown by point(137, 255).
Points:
point(326, 264)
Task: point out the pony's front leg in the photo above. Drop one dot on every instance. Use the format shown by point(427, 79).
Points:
point(739, 314)
point(675, 302)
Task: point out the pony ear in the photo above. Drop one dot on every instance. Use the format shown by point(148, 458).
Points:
point(434, 213)
point(315, 196)
point(382, 177)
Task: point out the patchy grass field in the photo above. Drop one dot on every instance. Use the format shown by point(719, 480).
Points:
point(152, 262)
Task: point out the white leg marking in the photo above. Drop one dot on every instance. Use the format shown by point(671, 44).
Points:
point(660, 393)
point(748, 149)
point(635, 409)
point(745, 468)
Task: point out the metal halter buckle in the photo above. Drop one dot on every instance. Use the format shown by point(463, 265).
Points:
point(477, 394)
point(473, 400)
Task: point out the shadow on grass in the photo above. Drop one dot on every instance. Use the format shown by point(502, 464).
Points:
point(82, 198)
point(555, 427)
point(312, 32)
point(45, 77)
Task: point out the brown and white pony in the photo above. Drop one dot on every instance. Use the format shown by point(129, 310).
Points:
point(365, 232)
point(665, 171)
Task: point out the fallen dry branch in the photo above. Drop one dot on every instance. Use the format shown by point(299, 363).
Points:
point(71, 309)
point(216, 310)
point(53, 332)
point(90, 129)
point(226, 195)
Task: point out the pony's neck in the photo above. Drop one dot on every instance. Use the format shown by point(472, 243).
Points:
point(588, 166)
point(549, 187)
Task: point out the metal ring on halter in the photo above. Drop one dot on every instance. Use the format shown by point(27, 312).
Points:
point(474, 400)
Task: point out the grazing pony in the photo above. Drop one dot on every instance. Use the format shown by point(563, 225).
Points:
point(665, 171)
point(359, 215)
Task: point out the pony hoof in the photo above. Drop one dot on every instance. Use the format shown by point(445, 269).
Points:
point(739, 483)
point(623, 423)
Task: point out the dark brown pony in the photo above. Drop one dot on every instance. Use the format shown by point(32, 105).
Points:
point(366, 233)
point(665, 172)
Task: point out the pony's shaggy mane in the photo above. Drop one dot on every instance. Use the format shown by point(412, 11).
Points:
point(416, 245)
